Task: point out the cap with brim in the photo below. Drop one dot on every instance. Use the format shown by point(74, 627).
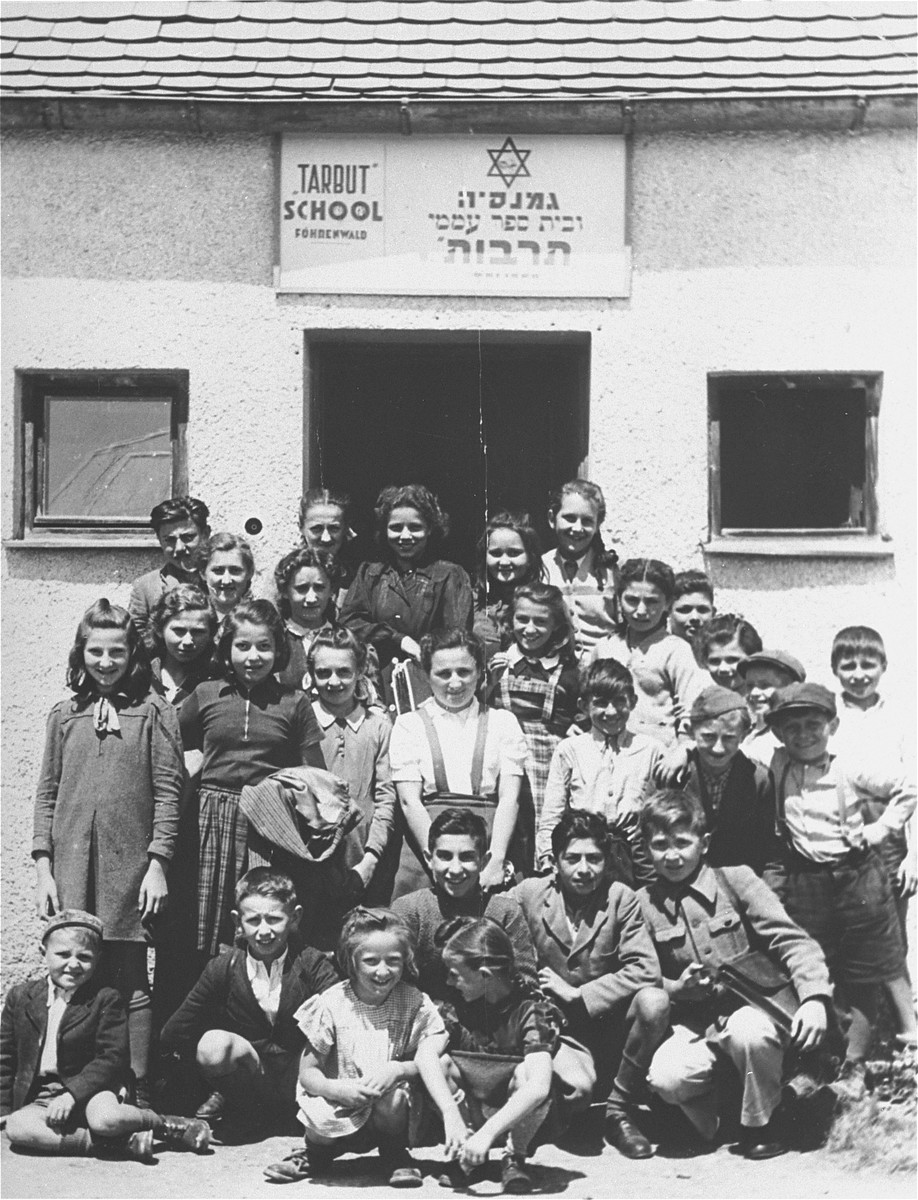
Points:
point(774, 658)
point(799, 696)
point(72, 918)
point(714, 702)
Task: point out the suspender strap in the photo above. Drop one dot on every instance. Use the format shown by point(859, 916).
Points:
point(479, 752)
point(436, 751)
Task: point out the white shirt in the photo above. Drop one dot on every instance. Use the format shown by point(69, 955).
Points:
point(266, 983)
point(58, 1000)
point(411, 761)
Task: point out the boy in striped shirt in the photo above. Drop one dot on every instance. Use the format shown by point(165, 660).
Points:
point(831, 878)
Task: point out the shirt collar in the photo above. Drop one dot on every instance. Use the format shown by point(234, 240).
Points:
point(298, 631)
point(515, 657)
point(326, 719)
point(58, 993)
point(255, 966)
point(704, 884)
point(438, 712)
point(170, 571)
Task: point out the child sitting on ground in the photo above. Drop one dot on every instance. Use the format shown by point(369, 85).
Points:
point(831, 879)
point(693, 604)
point(357, 1086)
point(721, 646)
point(606, 771)
point(598, 964)
point(699, 918)
point(238, 1020)
point(64, 1056)
point(496, 1081)
point(457, 852)
point(736, 793)
point(762, 676)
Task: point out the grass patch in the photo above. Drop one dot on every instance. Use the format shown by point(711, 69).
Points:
point(875, 1136)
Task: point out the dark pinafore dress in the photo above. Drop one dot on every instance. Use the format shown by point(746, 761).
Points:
point(412, 870)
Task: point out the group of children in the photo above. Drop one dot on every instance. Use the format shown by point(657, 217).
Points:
point(422, 858)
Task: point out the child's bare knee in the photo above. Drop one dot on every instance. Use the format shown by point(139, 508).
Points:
point(105, 1116)
point(24, 1126)
point(651, 1007)
point(216, 1049)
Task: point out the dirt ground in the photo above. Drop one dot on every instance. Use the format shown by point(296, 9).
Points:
point(582, 1168)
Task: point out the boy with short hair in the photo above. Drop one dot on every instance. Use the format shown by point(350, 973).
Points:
point(736, 793)
point(598, 964)
point(181, 527)
point(456, 856)
point(693, 604)
point(238, 1019)
point(607, 770)
point(763, 675)
point(830, 878)
point(701, 917)
point(64, 1055)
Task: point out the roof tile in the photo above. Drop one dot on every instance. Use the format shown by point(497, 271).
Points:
point(378, 48)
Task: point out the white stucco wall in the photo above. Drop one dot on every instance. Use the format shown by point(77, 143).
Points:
point(751, 252)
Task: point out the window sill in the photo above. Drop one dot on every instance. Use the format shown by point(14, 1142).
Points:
point(807, 546)
point(83, 540)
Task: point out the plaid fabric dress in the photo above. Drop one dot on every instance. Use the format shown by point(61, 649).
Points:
point(222, 841)
point(521, 694)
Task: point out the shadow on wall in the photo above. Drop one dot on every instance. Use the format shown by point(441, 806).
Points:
point(787, 574)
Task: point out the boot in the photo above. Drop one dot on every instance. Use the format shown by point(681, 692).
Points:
point(185, 1133)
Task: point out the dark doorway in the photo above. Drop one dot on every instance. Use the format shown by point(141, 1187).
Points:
point(485, 426)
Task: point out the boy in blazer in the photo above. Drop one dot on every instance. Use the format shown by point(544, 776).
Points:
point(64, 1055)
point(238, 1019)
point(597, 962)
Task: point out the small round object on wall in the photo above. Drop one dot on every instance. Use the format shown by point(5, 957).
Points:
point(253, 526)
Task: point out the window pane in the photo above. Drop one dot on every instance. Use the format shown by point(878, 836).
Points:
point(106, 458)
point(792, 455)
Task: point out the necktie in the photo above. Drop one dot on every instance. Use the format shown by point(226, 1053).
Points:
point(569, 569)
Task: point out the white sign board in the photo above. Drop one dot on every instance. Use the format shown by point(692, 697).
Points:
point(454, 216)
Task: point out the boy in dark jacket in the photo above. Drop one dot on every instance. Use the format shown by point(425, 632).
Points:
point(238, 1019)
point(736, 793)
point(64, 1055)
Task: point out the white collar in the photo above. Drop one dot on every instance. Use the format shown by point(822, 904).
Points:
point(548, 661)
point(438, 712)
point(326, 718)
point(58, 993)
point(560, 559)
point(255, 966)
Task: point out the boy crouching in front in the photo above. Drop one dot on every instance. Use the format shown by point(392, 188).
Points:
point(238, 1019)
point(701, 917)
point(64, 1055)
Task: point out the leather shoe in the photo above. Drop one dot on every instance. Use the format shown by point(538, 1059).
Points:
point(760, 1143)
point(622, 1133)
point(213, 1108)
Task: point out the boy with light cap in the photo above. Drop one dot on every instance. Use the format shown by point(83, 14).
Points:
point(64, 1056)
point(763, 675)
point(736, 793)
point(830, 877)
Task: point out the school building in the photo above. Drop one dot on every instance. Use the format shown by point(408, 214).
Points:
point(254, 247)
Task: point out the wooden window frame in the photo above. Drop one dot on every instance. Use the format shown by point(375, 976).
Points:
point(34, 388)
point(871, 382)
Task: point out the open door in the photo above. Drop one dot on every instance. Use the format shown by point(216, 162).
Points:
point(485, 426)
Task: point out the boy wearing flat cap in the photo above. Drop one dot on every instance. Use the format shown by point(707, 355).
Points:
point(736, 793)
point(763, 675)
point(831, 879)
point(64, 1055)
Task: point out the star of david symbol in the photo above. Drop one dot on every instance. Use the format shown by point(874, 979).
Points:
point(509, 163)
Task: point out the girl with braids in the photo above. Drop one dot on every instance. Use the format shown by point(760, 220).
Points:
point(502, 1036)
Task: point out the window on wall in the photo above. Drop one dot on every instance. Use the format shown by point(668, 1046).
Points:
point(793, 454)
point(100, 449)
